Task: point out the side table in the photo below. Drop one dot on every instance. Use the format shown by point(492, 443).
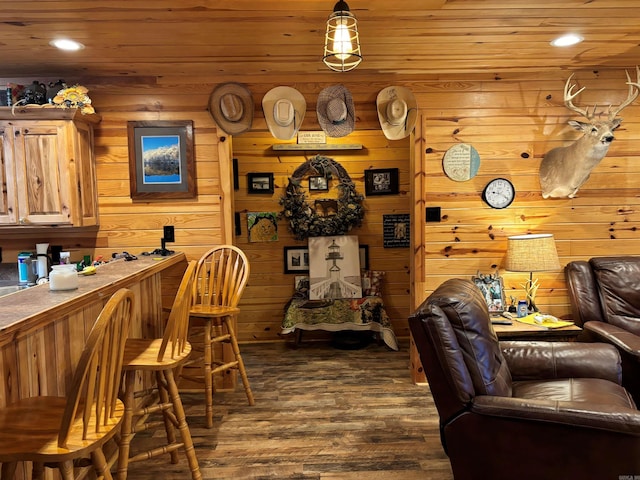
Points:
point(522, 331)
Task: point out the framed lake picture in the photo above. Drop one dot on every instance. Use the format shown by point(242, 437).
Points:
point(161, 163)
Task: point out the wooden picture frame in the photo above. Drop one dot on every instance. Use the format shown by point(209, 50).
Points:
point(318, 183)
point(492, 290)
point(260, 183)
point(296, 260)
point(364, 257)
point(161, 160)
point(381, 181)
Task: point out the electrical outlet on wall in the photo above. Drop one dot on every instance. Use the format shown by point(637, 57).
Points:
point(169, 234)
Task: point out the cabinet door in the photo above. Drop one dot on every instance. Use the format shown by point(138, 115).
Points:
point(8, 196)
point(42, 177)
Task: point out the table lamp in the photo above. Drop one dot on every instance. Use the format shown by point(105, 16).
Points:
point(532, 253)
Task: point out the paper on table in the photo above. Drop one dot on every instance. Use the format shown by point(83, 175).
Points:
point(546, 323)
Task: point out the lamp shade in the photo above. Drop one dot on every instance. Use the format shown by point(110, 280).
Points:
point(532, 253)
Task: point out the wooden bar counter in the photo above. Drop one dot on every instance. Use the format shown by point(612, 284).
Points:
point(43, 332)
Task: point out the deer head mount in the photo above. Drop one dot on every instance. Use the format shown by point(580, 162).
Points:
point(565, 169)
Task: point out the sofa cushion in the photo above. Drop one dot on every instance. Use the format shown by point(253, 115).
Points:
point(591, 390)
point(619, 282)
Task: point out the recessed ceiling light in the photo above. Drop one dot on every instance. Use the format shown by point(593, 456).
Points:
point(567, 40)
point(66, 44)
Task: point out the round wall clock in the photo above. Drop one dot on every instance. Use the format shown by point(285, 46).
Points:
point(461, 162)
point(499, 193)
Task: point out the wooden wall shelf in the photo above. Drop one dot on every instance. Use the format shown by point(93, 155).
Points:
point(315, 146)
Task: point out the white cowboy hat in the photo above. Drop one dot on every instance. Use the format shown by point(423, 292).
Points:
point(336, 113)
point(397, 111)
point(284, 109)
point(231, 106)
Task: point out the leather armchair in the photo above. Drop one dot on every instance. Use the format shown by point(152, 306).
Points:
point(605, 300)
point(519, 409)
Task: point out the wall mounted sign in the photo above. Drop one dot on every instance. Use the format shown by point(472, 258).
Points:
point(395, 230)
point(461, 162)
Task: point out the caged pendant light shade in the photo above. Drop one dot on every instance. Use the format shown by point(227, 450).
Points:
point(341, 41)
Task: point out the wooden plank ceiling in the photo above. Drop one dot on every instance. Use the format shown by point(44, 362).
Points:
point(266, 37)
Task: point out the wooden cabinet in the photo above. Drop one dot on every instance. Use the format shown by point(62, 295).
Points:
point(47, 168)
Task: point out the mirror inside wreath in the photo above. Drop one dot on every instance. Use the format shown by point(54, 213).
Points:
point(329, 206)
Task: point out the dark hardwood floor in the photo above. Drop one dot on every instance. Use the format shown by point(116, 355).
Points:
point(320, 413)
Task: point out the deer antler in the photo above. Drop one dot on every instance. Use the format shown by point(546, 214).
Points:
point(634, 89)
point(569, 96)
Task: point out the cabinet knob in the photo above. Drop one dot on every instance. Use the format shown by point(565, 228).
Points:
point(23, 221)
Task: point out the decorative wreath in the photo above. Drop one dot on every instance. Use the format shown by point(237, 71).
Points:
point(304, 221)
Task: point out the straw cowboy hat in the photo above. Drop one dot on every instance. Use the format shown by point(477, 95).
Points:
point(231, 106)
point(397, 112)
point(284, 109)
point(336, 113)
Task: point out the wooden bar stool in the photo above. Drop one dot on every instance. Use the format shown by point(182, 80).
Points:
point(221, 276)
point(56, 431)
point(162, 356)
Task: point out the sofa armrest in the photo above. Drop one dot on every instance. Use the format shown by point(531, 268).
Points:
point(545, 360)
point(620, 338)
point(579, 414)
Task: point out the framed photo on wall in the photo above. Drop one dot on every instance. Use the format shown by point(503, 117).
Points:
point(161, 160)
point(296, 260)
point(381, 181)
point(318, 183)
point(260, 182)
point(492, 290)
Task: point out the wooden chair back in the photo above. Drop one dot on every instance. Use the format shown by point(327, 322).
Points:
point(221, 276)
point(177, 328)
point(94, 390)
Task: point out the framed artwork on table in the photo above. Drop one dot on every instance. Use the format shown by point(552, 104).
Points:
point(492, 290)
point(382, 181)
point(296, 260)
point(260, 182)
point(334, 267)
point(161, 160)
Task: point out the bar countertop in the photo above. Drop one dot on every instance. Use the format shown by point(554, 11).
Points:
point(28, 308)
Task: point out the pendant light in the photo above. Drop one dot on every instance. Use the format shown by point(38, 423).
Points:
point(341, 42)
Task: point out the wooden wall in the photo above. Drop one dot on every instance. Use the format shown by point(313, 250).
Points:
point(510, 119)
point(136, 226)
point(269, 288)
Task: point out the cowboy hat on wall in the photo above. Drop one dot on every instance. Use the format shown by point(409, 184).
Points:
point(231, 106)
point(336, 112)
point(397, 112)
point(284, 109)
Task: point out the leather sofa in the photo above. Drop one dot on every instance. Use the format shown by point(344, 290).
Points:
point(605, 300)
point(525, 410)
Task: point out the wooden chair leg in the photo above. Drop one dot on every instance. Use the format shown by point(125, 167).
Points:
point(236, 352)
point(208, 379)
point(37, 471)
point(168, 424)
point(100, 465)
point(66, 470)
point(8, 470)
point(126, 433)
point(178, 410)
